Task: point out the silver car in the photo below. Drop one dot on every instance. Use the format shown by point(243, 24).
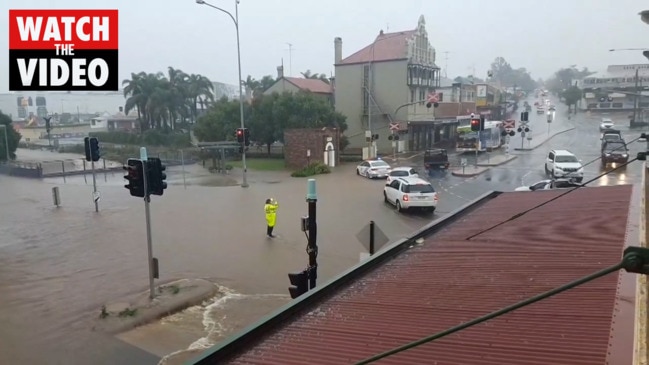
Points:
point(373, 169)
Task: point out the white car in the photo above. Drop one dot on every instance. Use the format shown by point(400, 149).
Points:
point(606, 124)
point(410, 192)
point(563, 164)
point(404, 171)
point(373, 169)
point(550, 185)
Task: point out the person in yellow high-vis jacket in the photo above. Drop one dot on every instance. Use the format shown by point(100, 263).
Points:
point(271, 216)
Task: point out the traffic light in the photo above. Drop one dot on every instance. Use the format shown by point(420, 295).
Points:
point(240, 135)
point(135, 176)
point(299, 283)
point(475, 125)
point(482, 120)
point(246, 136)
point(92, 149)
point(156, 177)
point(525, 116)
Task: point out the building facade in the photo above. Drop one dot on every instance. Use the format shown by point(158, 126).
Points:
point(386, 82)
point(617, 89)
point(317, 87)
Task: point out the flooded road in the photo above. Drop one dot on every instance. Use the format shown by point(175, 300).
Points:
point(59, 265)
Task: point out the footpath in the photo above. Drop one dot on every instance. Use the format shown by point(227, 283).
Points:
point(537, 141)
point(482, 166)
point(136, 310)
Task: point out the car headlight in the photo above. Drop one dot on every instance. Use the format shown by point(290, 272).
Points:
point(580, 170)
point(608, 155)
point(558, 167)
point(624, 155)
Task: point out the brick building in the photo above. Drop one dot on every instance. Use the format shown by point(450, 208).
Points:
point(308, 145)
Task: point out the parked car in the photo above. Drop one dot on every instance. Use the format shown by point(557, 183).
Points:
point(373, 169)
point(614, 152)
point(564, 164)
point(410, 192)
point(404, 171)
point(550, 185)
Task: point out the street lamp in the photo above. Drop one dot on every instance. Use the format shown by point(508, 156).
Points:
point(235, 20)
point(6, 140)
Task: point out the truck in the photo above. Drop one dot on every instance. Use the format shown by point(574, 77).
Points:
point(614, 151)
point(436, 160)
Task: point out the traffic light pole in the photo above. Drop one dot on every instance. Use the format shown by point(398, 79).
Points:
point(312, 246)
point(95, 196)
point(147, 214)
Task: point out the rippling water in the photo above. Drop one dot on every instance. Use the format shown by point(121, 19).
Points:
point(58, 266)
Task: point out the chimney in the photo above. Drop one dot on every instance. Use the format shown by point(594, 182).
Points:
point(338, 50)
point(280, 72)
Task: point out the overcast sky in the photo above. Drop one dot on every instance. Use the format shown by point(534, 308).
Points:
point(542, 36)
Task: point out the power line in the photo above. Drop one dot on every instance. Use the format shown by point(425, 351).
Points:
point(520, 214)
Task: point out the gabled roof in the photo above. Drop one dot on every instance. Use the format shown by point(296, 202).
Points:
point(386, 47)
point(411, 290)
point(313, 85)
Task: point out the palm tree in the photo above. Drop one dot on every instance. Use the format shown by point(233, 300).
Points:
point(308, 75)
point(162, 100)
point(200, 89)
point(251, 85)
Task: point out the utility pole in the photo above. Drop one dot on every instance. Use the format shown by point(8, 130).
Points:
point(635, 97)
point(290, 59)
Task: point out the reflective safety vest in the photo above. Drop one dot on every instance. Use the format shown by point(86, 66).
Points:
point(271, 213)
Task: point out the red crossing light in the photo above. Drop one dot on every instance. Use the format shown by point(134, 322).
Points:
point(475, 125)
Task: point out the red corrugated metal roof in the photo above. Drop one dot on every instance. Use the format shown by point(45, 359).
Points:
point(386, 47)
point(313, 85)
point(449, 280)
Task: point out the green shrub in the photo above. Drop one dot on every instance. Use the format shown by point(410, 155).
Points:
point(315, 168)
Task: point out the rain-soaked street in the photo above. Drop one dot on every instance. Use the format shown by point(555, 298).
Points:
point(59, 265)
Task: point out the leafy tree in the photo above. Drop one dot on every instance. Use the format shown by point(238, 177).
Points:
point(565, 78)
point(503, 73)
point(571, 96)
point(13, 137)
point(221, 120)
point(268, 116)
point(161, 100)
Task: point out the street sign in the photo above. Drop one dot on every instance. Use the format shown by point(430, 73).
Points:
point(509, 124)
point(394, 126)
point(523, 134)
point(380, 238)
point(463, 162)
point(529, 138)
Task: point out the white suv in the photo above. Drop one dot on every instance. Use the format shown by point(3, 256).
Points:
point(410, 192)
point(564, 164)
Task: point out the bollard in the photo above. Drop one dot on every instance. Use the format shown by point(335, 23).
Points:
point(56, 196)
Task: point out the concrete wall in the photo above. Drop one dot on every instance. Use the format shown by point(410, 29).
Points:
point(298, 141)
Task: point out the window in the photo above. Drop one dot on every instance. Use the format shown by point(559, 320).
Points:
point(413, 171)
point(566, 158)
point(419, 188)
point(551, 156)
point(399, 173)
point(395, 184)
point(412, 95)
point(441, 96)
